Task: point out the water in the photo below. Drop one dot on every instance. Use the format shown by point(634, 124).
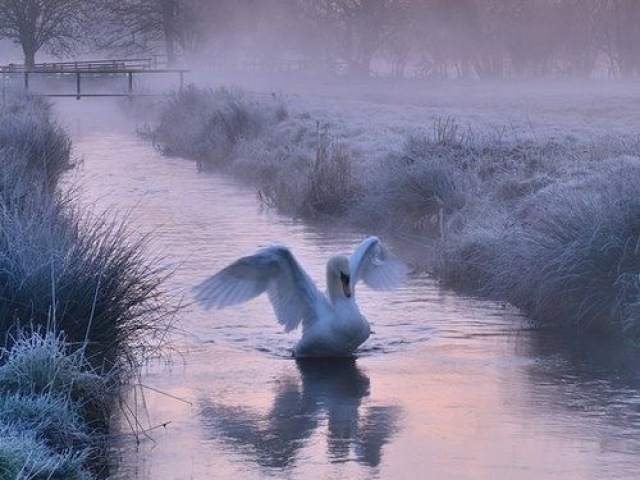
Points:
point(448, 387)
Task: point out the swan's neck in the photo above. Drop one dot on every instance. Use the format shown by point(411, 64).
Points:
point(338, 281)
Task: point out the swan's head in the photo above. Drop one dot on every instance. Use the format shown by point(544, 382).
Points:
point(338, 278)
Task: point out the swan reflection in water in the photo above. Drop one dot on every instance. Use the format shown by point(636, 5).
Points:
point(330, 392)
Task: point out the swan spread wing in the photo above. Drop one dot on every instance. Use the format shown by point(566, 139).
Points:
point(292, 293)
point(372, 263)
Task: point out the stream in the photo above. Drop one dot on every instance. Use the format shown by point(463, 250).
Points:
point(447, 387)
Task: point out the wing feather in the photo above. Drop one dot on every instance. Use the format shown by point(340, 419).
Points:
point(372, 263)
point(273, 270)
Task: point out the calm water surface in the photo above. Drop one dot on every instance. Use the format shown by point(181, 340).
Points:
point(446, 388)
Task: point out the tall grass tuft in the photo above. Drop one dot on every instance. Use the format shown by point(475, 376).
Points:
point(413, 190)
point(576, 261)
point(312, 181)
point(86, 276)
point(34, 151)
point(207, 124)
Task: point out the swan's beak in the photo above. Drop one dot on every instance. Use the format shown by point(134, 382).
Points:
point(345, 285)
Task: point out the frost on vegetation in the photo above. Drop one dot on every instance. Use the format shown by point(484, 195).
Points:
point(52, 407)
point(411, 190)
point(81, 306)
point(207, 124)
point(567, 255)
point(33, 149)
point(90, 273)
point(314, 177)
point(548, 224)
point(24, 457)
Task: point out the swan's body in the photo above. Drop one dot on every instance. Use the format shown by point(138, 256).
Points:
point(332, 325)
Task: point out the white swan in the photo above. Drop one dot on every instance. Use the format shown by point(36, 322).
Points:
point(331, 326)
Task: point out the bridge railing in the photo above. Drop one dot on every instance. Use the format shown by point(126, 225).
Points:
point(86, 70)
point(84, 66)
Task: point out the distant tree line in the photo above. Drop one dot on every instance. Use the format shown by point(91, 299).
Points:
point(437, 39)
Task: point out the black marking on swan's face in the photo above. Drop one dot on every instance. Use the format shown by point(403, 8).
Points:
point(346, 288)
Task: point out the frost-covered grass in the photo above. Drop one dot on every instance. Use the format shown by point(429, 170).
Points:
point(568, 254)
point(217, 121)
point(54, 408)
point(81, 306)
point(314, 178)
point(546, 222)
point(35, 151)
point(85, 275)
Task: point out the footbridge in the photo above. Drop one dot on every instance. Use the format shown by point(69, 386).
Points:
point(89, 78)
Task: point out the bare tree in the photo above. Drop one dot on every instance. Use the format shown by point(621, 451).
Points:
point(448, 36)
point(360, 27)
point(34, 24)
point(175, 26)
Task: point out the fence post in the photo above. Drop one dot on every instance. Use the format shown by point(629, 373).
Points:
point(77, 85)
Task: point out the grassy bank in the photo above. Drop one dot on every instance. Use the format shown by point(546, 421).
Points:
point(548, 224)
point(81, 306)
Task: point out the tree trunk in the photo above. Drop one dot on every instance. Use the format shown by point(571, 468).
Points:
point(169, 15)
point(29, 57)
point(360, 64)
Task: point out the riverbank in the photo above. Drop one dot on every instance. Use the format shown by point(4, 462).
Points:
point(82, 307)
point(544, 221)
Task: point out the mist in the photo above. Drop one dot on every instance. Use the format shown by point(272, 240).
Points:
point(536, 67)
point(430, 40)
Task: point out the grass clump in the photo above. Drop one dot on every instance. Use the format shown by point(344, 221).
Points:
point(412, 190)
point(207, 124)
point(576, 261)
point(313, 179)
point(53, 408)
point(35, 152)
point(88, 273)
